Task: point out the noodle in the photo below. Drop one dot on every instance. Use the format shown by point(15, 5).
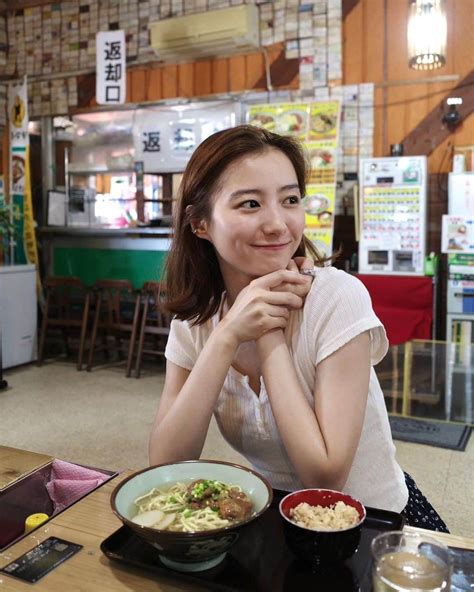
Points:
point(177, 501)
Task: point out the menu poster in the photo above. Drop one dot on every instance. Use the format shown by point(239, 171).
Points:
point(317, 125)
point(319, 209)
point(322, 156)
point(457, 235)
point(287, 119)
point(324, 120)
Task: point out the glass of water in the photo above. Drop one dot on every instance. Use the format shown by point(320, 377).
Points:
point(408, 562)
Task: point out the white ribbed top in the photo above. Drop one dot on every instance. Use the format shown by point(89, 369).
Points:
point(337, 309)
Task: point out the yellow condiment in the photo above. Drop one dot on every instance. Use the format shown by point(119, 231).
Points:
point(34, 520)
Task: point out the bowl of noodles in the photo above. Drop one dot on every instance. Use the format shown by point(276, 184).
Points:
point(192, 512)
point(322, 525)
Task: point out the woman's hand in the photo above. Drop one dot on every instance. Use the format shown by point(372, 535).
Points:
point(261, 306)
point(297, 264)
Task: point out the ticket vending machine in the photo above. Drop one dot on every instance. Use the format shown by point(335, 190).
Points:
point(392, 213)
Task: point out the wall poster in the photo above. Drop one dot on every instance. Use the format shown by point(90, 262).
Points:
point(316, 124)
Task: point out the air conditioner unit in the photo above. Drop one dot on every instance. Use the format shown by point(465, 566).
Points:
point(211, 33)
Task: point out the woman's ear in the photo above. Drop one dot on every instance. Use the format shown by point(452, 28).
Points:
point(199, 228)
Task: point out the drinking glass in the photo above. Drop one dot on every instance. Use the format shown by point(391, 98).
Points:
point(410, 562)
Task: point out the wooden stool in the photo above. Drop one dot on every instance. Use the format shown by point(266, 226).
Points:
point(155, 321)
point(111, 317)
point(67, 307)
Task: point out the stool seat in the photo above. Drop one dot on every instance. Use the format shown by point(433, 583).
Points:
point(67, 305)
point(155, 321)
point(117, 309)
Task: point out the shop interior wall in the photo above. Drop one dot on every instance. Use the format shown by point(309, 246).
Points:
point(372, 29)
point(369, 34)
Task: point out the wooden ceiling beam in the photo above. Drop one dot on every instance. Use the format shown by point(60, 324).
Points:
point(347, 6)
point(431, 131)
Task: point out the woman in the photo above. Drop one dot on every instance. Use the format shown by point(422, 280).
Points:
point(283, 361)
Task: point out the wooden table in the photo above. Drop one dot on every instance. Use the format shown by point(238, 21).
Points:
point(88, 523)
point(16, 464)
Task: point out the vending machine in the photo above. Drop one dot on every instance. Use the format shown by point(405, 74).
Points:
point(458, 243)
point(392, 210)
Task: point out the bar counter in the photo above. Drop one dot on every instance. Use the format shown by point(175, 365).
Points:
point(91, 253)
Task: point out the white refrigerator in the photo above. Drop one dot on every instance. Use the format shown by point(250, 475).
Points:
point(18, 314)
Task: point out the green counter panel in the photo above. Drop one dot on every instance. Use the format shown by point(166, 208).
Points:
point(116, 264)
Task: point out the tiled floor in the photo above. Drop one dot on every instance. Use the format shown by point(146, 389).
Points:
point(103, 419)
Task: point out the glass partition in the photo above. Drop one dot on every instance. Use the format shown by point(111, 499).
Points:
point(429, 379)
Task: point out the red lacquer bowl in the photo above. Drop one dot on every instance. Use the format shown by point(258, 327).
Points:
point(321, 546)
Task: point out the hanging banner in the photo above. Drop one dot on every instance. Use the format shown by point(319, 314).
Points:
point(25, 250)
point(317, 125)
point(111, 72)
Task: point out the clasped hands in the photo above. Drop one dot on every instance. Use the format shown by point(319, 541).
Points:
point(264, 305)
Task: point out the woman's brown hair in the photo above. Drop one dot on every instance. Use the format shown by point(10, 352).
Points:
point(194, 283)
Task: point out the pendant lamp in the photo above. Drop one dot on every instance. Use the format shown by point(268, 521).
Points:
point(427, 30)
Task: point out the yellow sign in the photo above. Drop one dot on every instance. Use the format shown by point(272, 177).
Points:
point(18, 112)
point(317, 125)
point(319, 208)
point(287, 119)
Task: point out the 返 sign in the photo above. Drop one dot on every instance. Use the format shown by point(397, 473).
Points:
point(111, 68)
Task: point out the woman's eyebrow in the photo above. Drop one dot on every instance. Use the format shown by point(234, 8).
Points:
point(241, 192)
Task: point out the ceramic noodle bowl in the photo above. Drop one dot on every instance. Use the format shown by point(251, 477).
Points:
point(190, 551)
point(321, 546)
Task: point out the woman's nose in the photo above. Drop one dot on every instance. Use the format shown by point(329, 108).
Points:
point(274, 222)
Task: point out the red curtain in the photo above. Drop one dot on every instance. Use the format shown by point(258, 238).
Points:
point(404, 304)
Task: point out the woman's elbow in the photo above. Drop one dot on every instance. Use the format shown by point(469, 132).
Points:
point(332, 477)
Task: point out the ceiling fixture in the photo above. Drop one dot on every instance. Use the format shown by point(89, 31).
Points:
point(427, 30)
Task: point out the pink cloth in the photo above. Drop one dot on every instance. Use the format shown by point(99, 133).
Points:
point(70, 482)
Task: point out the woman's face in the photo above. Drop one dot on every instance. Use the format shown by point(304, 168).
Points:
point(257, 218)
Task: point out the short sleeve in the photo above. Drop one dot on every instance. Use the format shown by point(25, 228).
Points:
point(180, 347)
point(341, 309)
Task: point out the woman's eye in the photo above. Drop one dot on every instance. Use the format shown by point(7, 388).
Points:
point(249, 204)
point(293, 199)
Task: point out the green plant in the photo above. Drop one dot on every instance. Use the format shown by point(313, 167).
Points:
point(6, 226)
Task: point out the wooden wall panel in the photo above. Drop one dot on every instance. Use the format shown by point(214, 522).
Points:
point(202, 78)
point(186, 80)
point(254, 66)
point(400, 108)
point(220, 75)
point(372, 44)
point(169, 80)
point(237, 73)
point(154, 85)
point(138, 86)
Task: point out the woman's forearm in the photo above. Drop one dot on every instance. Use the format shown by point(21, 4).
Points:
point(295, 418)
point(181, 433)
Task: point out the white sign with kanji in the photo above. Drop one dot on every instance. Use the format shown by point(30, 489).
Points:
point(110, 64)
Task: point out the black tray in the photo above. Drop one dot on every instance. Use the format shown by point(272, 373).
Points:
point(260, 561)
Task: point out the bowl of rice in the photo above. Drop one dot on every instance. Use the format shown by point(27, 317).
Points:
point(191, 512)
point(322, 525)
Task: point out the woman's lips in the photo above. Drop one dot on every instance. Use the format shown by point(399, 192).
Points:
point(272, 247)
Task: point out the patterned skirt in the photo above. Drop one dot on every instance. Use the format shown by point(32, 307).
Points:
point(419, 512)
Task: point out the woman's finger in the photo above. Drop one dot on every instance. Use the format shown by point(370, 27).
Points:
point(271, 280)
point(292, 266)
point(303, 263)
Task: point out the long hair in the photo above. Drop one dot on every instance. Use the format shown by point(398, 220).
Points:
point(194, 283)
